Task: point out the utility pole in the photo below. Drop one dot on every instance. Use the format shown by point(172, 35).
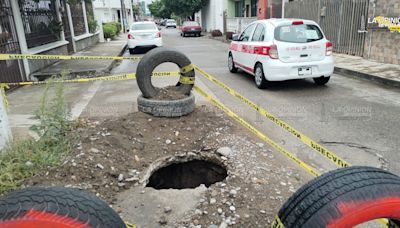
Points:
point(123, 16)
point(283, 8)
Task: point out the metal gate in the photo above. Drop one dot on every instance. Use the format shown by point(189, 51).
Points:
point(343, 21)
point(10, 70)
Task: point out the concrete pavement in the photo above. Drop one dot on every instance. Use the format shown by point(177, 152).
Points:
point(356, 119)
point(359, 67)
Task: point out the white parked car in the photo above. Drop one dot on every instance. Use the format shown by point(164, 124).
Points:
point(170, 23)
point(282, 49)
point(144, 34)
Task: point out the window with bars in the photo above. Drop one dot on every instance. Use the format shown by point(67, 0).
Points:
point(78, 19)
point(40, 22)
point(254, 8)
point(239, 8)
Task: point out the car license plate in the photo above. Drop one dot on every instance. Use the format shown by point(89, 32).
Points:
point(193, 29)
point(305, 71)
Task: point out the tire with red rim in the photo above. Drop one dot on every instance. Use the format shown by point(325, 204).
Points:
point(46, 207)
point(344, 198)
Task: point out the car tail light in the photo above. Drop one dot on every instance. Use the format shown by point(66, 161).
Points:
point(297, 23)
point(329, 49)
point(130, 36)
point(273, 52)
point(158, 35)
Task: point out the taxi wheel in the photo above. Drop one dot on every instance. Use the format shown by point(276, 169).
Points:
point(231, 64)
point(131, 51)
point(48, 207)
point(344, 197)
point(259, 77)
point(321, 80)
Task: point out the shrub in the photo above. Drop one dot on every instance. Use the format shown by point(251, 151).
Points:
point(215, 33)
point(117, 26)
point(92, 23)
point(109, 30)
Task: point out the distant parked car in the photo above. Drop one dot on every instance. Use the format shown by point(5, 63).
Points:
point(191, 27)
point(163, 22)
point(170, 23)
point(144, 34)
point(282, 49)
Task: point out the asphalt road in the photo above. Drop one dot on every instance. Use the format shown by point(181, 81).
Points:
point(358, 120)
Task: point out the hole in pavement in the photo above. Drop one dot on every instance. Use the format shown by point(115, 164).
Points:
point(190, 174)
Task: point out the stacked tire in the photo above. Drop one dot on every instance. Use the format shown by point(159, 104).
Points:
point(343, 198)
point(164, 108)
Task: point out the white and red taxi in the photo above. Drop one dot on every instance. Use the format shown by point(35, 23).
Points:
point(282, 49)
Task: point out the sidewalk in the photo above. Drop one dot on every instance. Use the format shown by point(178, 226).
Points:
point(357, 67)
point(115, 47)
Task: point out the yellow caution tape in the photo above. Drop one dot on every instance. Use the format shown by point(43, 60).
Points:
point(128, 225)
point(63, 57)
point(187, 80)
point(187, 68)
point(277, 223)
point(306, 140)
point(261, 135)
point(104, 78)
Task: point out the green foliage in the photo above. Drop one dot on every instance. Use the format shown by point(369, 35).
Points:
point(135, 9)
point(184, 8)
point(25, 158)
point(159, 10)
point(109, 30)
point(55, 28)
point(118, 26)
point(92, 23)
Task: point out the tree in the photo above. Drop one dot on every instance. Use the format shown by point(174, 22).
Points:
point(184, 8)
point(158, 9)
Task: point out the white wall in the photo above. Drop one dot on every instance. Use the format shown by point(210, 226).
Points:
point(212, 15)
point(5, 129)
point(107, 10)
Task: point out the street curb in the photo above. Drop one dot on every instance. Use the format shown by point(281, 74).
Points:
point(108, 69)
point(367, 77)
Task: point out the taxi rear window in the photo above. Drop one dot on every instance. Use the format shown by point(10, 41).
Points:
point(298, 33)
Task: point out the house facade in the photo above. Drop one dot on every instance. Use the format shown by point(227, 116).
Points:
point(47, 27)
point(234, 15)
point(112, 11)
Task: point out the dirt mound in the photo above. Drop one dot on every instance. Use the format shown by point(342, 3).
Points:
point(169, 93)
point(111, 154)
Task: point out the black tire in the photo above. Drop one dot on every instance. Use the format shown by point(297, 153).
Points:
point(344, 198)
point(156, 57)
point(131, 51)
point(321, 80)
point(259, 77)
point(231, 64)
point(164, 108)
point(199, 34)
point(184, 34)
point(56, 207)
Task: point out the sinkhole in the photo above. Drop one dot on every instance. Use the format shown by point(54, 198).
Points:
point(189, 174)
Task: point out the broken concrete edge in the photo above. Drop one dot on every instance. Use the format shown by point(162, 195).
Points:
point(367, 77)
point(43, 76)
point(181, 158)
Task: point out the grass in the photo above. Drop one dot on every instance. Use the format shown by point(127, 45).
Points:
point(23, 159)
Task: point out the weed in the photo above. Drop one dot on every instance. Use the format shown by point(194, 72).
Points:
point(25, 158)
